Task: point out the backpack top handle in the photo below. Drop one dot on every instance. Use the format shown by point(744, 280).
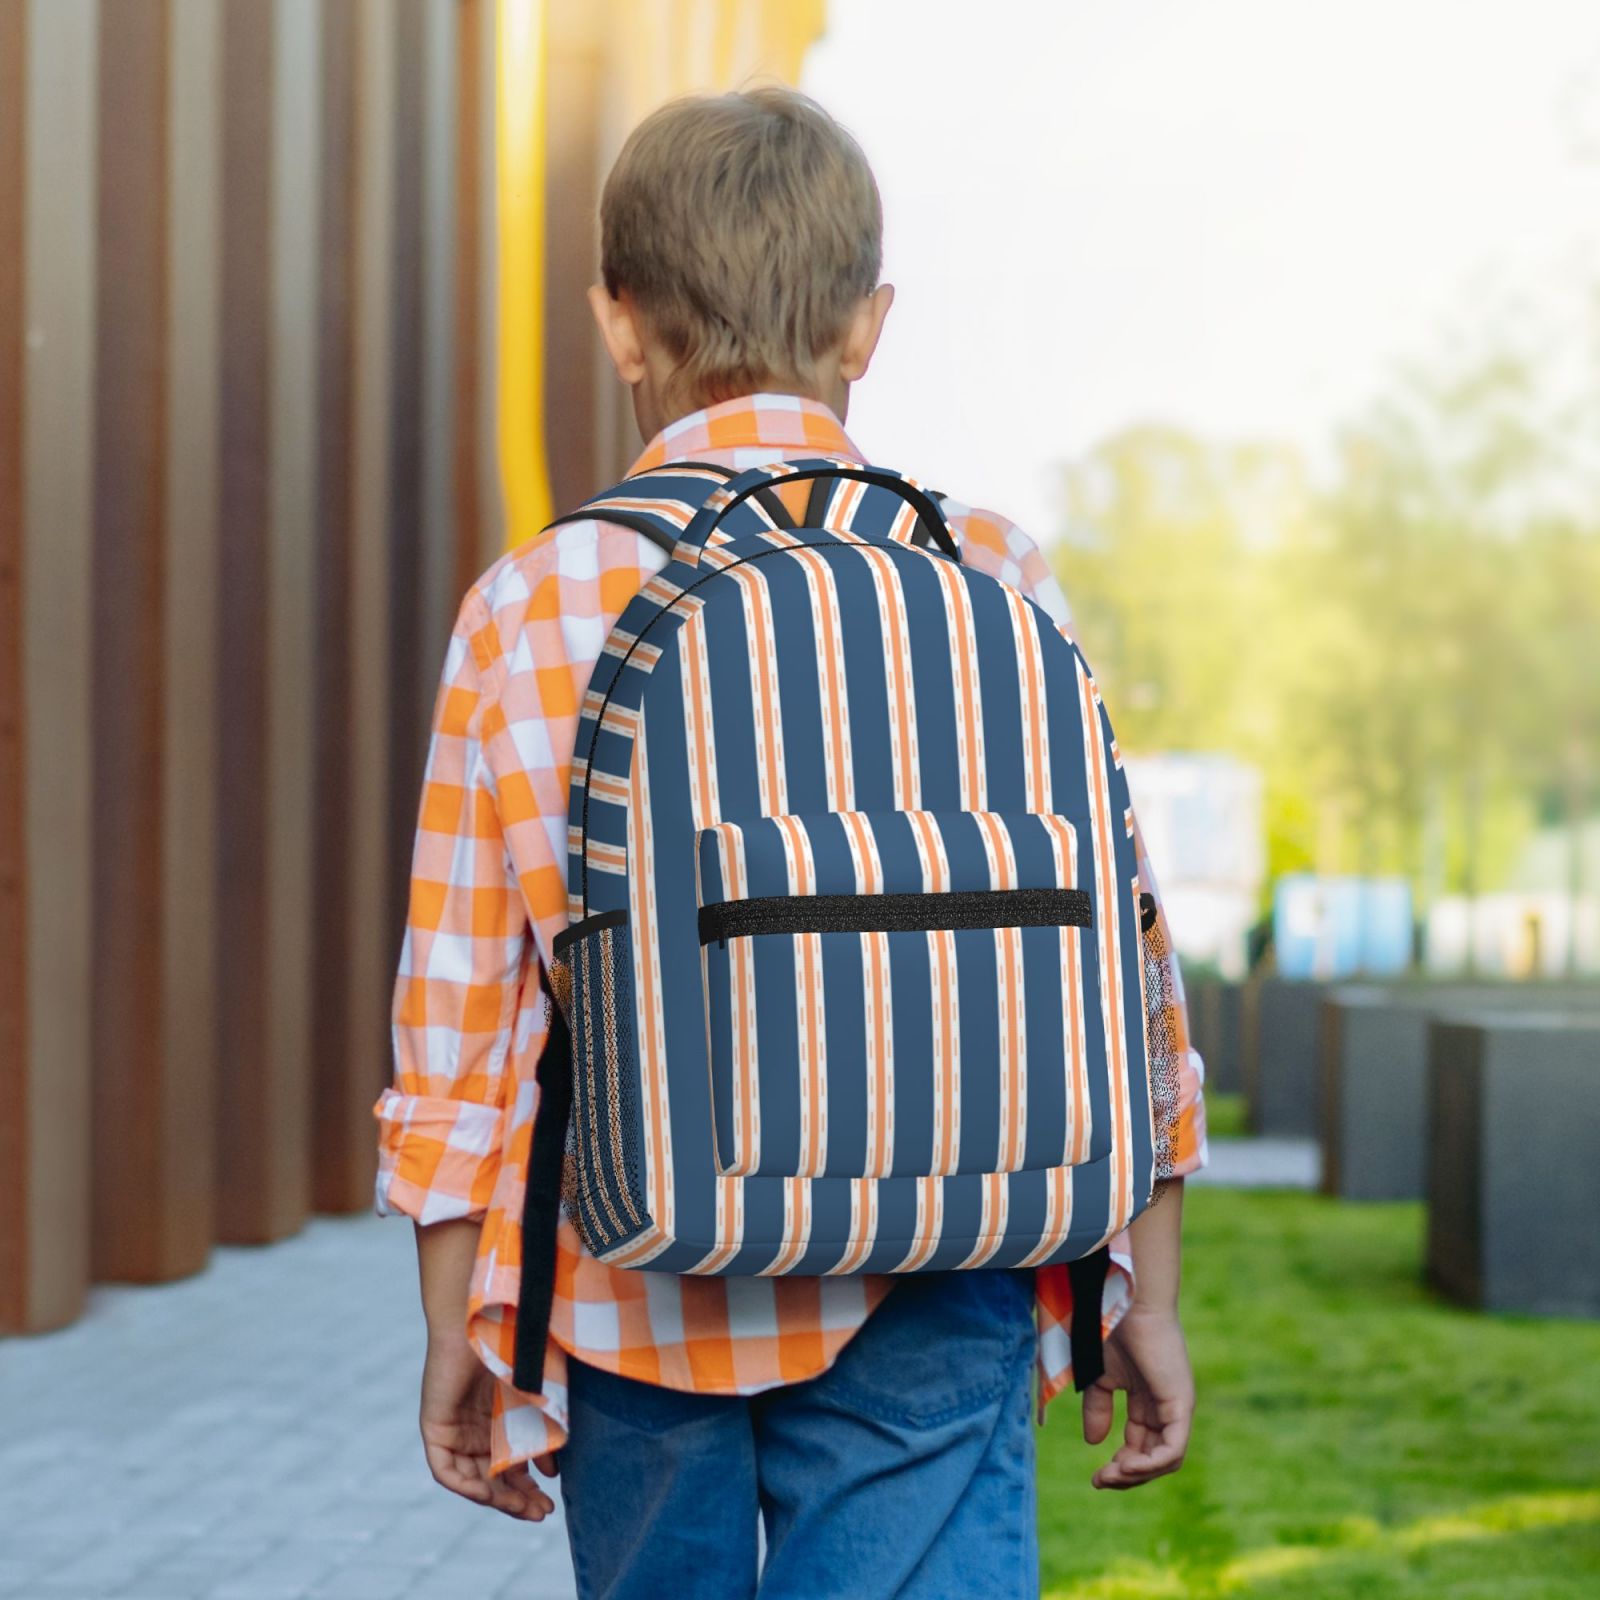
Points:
point(755, 484)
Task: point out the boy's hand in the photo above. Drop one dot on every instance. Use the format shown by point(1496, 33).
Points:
point(457, 1396)
point(1145, 1355)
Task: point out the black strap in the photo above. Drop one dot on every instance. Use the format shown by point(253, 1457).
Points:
point(817, 502)
point(931, 526)
point(597, 511)
point(541, 1206)
point(1087, 1275)
point(768, 495)
point(822, 493)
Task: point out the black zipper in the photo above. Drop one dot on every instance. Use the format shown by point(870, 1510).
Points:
point(895, 913)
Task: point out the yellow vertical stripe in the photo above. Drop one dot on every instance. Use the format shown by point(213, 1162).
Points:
point(519, 230)
point(651, 49)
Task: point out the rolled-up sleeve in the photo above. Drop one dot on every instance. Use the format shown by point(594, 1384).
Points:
point(454, 1010)
point(1177, 1074)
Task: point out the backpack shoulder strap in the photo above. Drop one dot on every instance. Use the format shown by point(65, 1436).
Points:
point(929, 529)
point(659, 505)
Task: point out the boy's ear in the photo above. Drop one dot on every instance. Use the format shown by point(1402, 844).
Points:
point(618, 322)
point(866, 328)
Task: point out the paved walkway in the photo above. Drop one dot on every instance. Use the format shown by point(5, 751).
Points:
point(1263, 1164)
point(250, 1434)
point(247, 1434)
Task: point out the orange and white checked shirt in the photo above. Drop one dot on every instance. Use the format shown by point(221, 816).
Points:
point(488, 895)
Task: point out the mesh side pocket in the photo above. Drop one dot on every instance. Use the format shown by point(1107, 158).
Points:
point(1162, 1036)
point(602, 1178)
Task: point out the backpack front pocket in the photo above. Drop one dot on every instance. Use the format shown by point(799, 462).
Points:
point(900, 992)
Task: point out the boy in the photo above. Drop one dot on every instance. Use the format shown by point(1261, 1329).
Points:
point(879, 1427)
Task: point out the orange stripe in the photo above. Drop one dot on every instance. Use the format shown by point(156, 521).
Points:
point(796, 1226)
point(930, 1196)
point(991, 1221)
point(864, 849)
point(863, 1226)
point(643, 913)
point(767, 720)
point(835, 701)
point(935, 862)
point(902, 707)
point(1009, 949)
point(947, 1114)
point(808, 949)
point(958, 609)
point(700, 739)
point(742, 963)
point(668, 510)
point(1057, 1216)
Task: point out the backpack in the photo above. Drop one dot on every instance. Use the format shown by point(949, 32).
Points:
point(853, 979)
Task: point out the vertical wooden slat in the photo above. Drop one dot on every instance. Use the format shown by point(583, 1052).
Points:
point(129, 602)
point(572, 385)
point(261, 1165)
point(407, 672)
point(481, 215)
point(474, 457)
point(439, 597)
point(343, 1157)
point(52, 1224)
point(14, 1095)
point(188, 977)
point(291, 909)
point(372, 952)
point(467, 446)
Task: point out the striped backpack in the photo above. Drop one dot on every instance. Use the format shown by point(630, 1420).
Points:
point(853, 979)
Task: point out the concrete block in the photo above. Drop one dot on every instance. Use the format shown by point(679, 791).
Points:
point(1513, 1186)
point(1281, 1075)
point(1374, 1073)
point(1373, 1107)
point(1215, 1023)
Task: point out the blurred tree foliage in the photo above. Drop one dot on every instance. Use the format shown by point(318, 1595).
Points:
point(1409, 650)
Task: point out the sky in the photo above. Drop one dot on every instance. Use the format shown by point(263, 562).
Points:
point(1232, 215)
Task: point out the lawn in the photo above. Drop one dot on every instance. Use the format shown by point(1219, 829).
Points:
point(1355, 1437)
point(1225, 1115)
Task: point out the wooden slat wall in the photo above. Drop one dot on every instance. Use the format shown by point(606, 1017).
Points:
point(368, 956)
point(15, 1168)
point(581, 391)
point(47, 1093)
point(127, 596)
point(336, 1121)
point(247, 468)
point(179, 1226)
point(259, 1193)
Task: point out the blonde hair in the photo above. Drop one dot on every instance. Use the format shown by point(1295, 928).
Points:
point(746, 227)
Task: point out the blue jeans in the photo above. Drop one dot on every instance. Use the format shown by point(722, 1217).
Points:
point(905, 1470)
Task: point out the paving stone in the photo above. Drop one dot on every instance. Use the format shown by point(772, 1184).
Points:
point(246, 1434)
point(368, 1581)
point(1261, 1164)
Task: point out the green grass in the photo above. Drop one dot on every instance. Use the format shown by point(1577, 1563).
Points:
point(1355, 1436)
point(1225, 1116)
